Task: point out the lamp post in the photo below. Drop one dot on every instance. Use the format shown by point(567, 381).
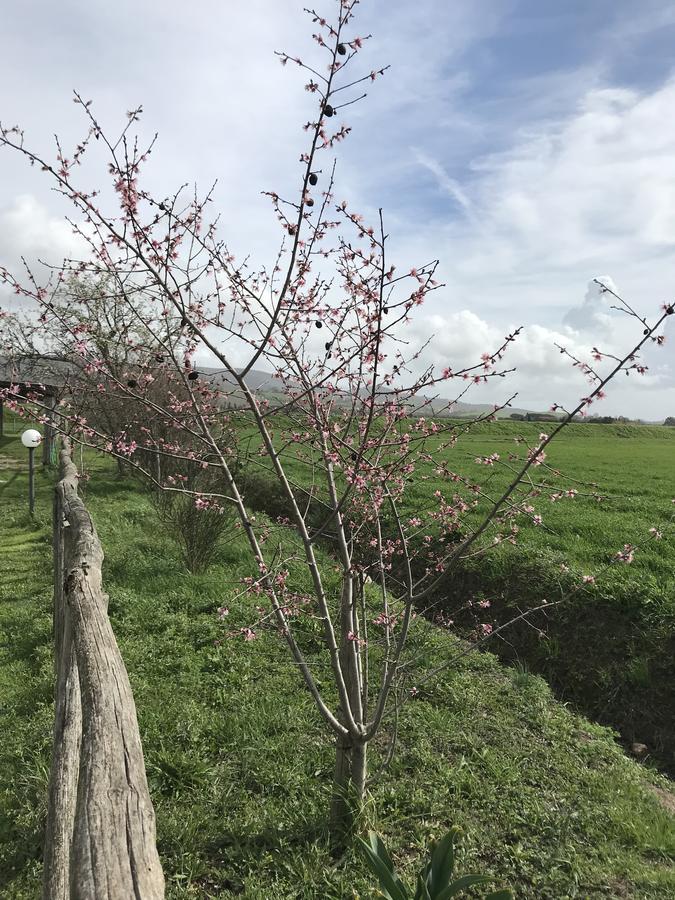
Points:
point(31, 439)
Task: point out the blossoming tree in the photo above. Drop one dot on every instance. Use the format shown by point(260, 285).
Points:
point(348, 426)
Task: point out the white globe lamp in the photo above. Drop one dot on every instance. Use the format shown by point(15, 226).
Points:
point(31, 438)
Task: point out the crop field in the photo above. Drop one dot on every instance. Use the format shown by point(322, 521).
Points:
point(239, 766)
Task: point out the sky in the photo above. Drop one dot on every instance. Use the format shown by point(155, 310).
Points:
point(529, 146)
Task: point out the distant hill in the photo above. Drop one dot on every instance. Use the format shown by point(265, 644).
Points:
point(266, 384)
point(55, 372)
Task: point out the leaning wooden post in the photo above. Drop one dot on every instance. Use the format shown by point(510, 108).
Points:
point(67, 732)
point(104, 839)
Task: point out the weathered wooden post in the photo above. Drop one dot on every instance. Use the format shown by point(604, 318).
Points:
point(100, 835)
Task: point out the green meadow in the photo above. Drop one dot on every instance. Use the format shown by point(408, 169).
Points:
point(632, 467)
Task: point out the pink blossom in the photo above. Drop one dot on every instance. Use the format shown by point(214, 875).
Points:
point(625, 555)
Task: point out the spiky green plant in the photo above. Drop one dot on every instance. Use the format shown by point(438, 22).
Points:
point(434, 882)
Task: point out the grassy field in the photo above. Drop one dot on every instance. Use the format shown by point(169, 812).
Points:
point(633, 467)
point(239, 765)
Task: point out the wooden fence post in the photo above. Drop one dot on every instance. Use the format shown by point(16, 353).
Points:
point(100, 837)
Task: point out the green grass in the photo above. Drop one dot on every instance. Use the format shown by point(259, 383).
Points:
point(239, 764)
point(633, 466)
point(26, 688)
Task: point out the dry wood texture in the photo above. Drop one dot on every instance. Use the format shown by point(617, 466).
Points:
point(100, 836)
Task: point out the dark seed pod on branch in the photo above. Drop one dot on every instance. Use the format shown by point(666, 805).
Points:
point(328, 110)
point(183, 322)
point(385, 310)
point(193, 376)
point(328, 345)
point(309, 202)
point(341, 49)
point(319, 324)
point(132, 383)
point(313, 179)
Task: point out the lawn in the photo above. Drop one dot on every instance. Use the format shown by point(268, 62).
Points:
point(239, 765)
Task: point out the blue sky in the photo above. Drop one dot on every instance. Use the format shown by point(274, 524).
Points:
point(529, 146)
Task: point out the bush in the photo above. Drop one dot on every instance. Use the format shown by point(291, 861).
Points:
point(196, 530)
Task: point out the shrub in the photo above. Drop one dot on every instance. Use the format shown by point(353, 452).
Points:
point(195, 526)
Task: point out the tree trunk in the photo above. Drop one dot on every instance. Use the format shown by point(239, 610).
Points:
point(359, 773)
point(50, 434)
point(349, 785)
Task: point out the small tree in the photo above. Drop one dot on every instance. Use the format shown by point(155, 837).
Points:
point(349, 428)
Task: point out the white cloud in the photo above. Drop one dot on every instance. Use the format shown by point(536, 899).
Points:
point(594, 191)
point(592, 314)
point(27, 229)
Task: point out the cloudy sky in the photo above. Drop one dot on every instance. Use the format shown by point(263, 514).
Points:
point(529, 146)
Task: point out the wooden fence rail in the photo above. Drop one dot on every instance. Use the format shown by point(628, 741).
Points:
point(100, 836)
